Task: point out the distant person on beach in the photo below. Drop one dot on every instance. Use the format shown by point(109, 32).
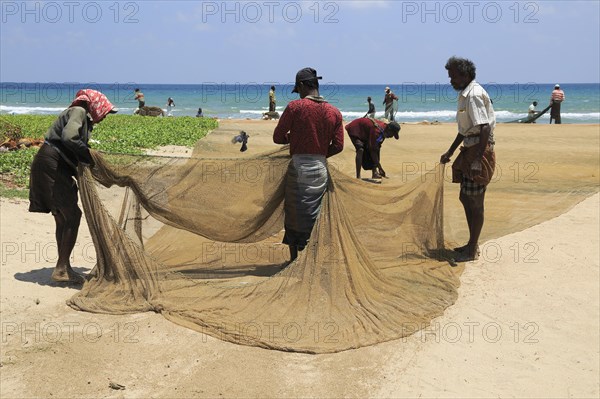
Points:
point(199, 113)
point(272, 99)
point(557, 97)
point(371, 112)
point(532, 110)
point(313, 129)
point(388, 101)
point(53, 186)
point(241, 138)
point(368, 135)
point(474, 166)
point(139, 96)
point(170, 105)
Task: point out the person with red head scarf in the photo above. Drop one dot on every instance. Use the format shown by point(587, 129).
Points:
point(53, 187)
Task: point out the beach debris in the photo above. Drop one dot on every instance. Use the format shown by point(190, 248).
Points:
point(12, 145)
point(267, 116)
point(8, 131)
point(115, 386)
point(241, 138)
point(11, 138)
point(149, 111)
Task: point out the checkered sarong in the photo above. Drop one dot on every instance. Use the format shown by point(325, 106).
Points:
point(469, 187)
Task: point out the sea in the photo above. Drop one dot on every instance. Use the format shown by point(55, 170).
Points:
point(417, 101)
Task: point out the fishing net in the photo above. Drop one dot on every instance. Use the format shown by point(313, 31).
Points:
point(199, 240)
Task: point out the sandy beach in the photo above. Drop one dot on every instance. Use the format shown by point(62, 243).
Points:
point(526, 322)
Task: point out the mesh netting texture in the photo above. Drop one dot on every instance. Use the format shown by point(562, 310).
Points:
point(199, 240)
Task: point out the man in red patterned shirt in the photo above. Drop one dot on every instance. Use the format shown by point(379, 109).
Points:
point(313, 129)
point(557, 97)
point(368, 135)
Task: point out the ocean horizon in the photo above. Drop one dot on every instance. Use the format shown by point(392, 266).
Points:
point(417, 101)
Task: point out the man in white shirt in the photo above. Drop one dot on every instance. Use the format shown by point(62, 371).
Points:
point(532, 110)
point(474, 166)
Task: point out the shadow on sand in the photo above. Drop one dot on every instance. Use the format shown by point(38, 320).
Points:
point(240, 271)
point(44, 277)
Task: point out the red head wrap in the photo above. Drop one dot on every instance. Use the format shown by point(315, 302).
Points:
point(98, 105)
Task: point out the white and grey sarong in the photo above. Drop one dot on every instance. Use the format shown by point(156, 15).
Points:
point(306, 183)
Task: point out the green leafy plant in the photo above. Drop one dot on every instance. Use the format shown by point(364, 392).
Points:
point(7, 192)
point(127, 134)
point(32, 126)
point(15, 166)
point(122, 134)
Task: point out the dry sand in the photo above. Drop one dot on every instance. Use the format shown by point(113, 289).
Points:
point(526, 323)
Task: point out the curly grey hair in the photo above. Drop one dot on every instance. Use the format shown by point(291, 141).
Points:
point(464, 66)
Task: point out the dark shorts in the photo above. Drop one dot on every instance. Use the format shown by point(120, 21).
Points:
point(358, 144)
point(52, 186)
point(367, 161)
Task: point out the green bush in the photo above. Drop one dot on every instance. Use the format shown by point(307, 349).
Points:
point(32, 126)
point(14, 166)
point(130, 134)
point(123, 134)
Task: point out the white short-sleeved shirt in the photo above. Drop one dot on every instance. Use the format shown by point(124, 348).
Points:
point(474, 108)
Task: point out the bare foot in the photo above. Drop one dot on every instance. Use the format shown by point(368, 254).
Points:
point(464, 257)
point(468, 254)
point(67, 275)
point(461, 249)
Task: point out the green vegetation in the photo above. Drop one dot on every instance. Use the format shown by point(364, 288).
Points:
point(32, 126)
point(14, 166)
point(6, 192)
point(131, 134)
point(123, 134)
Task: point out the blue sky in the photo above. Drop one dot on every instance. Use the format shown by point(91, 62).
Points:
point(387, 42)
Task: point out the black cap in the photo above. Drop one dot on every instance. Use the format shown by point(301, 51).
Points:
point(303, 75)
point(395, 128)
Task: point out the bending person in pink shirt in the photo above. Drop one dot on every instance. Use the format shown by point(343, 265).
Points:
point(313, 129)
point(368, 135)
